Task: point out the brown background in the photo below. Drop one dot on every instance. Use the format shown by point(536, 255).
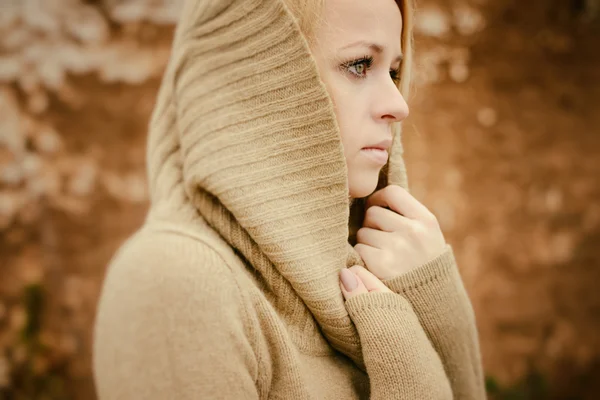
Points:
point(502, 144)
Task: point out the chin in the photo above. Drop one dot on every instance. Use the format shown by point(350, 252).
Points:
point(363, 184)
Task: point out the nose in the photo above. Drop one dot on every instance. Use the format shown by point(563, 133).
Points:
point(391, 104)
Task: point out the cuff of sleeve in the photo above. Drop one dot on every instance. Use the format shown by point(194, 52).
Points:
point(443, 267)
point(377, 301)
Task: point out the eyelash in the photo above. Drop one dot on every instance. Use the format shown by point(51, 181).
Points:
point(368, 62)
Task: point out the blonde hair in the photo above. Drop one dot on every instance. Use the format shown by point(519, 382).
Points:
point(308, 15)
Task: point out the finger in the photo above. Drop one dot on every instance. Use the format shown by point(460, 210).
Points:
point(399, 200)
point(369, 254)
point(382, 219)
point(372, 237)
point(371, 282)
point(380, 239)
point(355, 285)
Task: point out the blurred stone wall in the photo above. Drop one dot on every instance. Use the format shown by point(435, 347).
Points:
point(502, 144)
point(504, 148)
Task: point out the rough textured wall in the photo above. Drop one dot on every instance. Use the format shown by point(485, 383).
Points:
point(502, 145)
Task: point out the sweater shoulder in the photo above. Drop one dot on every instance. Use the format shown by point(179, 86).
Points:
point(165, 264)
point(168, 300)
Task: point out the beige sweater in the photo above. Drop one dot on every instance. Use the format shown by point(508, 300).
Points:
point(230, 289)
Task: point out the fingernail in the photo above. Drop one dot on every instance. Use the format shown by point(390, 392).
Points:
point(349, 280)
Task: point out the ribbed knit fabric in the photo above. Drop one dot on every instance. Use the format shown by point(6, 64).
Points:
point(230, 290)
point(442, 305)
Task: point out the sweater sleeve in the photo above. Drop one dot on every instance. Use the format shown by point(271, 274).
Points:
point(171, 325)
point(437, 294)
point(400, 361)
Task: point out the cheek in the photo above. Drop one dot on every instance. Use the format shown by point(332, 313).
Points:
point(350, 117)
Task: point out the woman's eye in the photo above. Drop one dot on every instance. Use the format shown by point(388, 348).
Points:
point(359, 69)
point(395, 75)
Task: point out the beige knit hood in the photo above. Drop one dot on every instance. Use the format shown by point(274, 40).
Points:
point(244, 136)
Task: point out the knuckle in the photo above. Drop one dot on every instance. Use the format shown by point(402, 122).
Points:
point(419, 231)
point(371, 212)
point(430, 219)
point(413, 230)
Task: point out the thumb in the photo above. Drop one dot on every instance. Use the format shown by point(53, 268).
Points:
point(358, 280)
point(351, 284)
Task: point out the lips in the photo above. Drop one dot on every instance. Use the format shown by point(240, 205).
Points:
point(383, 145)
point(379, 156)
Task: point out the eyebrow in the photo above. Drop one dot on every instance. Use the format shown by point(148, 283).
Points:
point(377, 48)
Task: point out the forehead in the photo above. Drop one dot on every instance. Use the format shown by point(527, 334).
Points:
point(378, 20)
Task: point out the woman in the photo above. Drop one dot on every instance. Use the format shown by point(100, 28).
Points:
point(273, 116)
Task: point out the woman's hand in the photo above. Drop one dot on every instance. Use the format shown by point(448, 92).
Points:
point(357, 280)
point(396, 240)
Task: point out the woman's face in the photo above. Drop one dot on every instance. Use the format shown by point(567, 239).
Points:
point(357, 49)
